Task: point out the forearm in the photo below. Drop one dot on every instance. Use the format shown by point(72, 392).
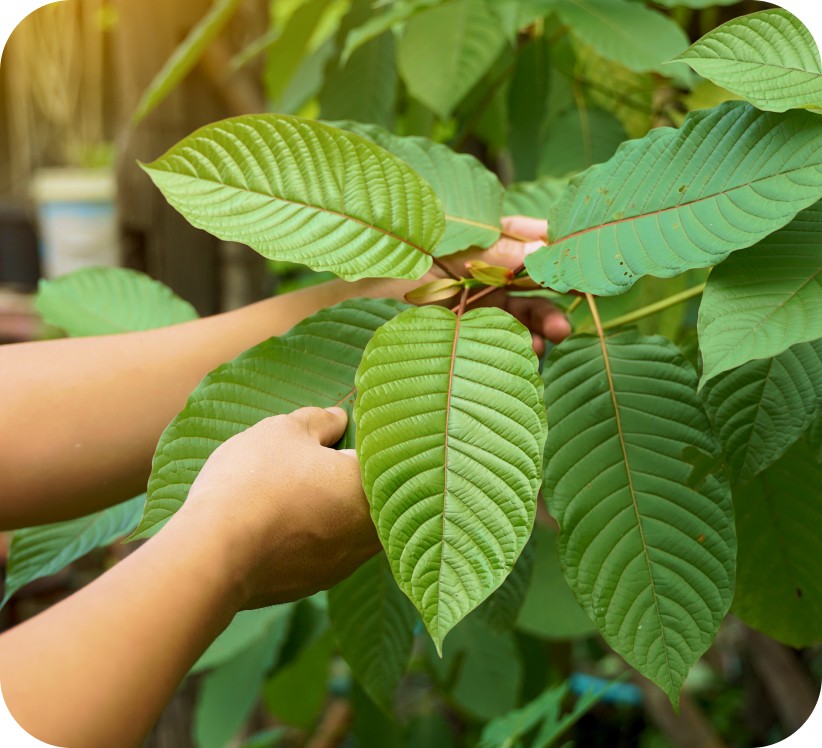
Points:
point(98, 668)
point(80, 418)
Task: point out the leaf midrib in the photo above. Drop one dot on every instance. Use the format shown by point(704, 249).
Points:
point(697, 201)
point(298, 203)
point(624, 447)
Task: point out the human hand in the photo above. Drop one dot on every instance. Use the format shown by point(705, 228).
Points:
point(540, 316)
point(288, 511)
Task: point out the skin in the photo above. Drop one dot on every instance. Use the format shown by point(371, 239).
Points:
point(86, 415)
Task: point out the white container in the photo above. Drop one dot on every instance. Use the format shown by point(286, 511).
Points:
point(77, 217)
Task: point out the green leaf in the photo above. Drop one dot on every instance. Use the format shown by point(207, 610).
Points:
point(634, 35)
point(452, 492)
point(769, 58)
point(365, 87)
point(37, 552)
point(246, 629)
point(312, 364)
point(654, 209)
point(374, 625)
point(228, 694)
point(446, 50)
point(470, 194)
point(577, 139)
point(533, 199)
point(762, 301)
point(394, 15)
point(296, 693)
point(186, 56)
point(760, 409)
point(480, 669)
point(778, 520)
point(302, 191)
point(500, 611)
point(105, 301)
point(546, 711)
point(295, 44)
point(550, 610)
point(634, 479)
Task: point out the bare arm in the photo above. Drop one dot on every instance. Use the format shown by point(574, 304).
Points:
point(80, 418)
point(97, 669)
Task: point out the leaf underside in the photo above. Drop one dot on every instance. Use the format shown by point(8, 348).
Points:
point(374, 625)
point(470, 194)
point(633, 477)
point(533, 199)
point(769, 58)
point(654, 209)
point(312, 364)
point(302, 191)
point(761, 408)
point(449, 435)
point(764, 300)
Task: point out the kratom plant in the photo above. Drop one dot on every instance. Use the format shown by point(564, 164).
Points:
point(457, 424)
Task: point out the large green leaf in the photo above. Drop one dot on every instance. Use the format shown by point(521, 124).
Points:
point(654, 209)
point(640, 38)
point(779, 523)
point(228, 694)
point(40, 551)
point(769, 58)
point(105, 301)
point(470, 194)
point(392, 15)
point(312, 364)
point(761, 408)
point(374, 625)
point(302, 191)
point(450, 434)
point(186, 56)
point(759, 302)
point(445, 51)
point(634, 479)
point(500, 611)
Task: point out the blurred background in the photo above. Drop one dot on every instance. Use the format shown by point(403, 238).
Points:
point(90, 87)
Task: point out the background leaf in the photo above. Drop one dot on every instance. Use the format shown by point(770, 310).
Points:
point(762, 301)
point(761, 408)
point(37, 552)
point(106, 301)
point(445, 50)
point(302, 191)
point(228, 694)
point(654, 210)
point(633, 478)
point(374, 625)
point(500, 611)
point(779, 524)
point(453, 491)
point(533, 199)
point(470, 194)
point(268, 379)
point(186, 56)
point(768, 58)
point(550, 610)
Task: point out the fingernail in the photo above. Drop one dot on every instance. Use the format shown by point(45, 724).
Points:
point(336, 410)
point(532, 247)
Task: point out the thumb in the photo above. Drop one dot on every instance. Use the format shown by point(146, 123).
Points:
point(326, 425)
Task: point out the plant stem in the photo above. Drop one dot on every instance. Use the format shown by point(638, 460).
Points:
point(445, 269)
point(572, 307)
point(647, 311)
point(463, 303)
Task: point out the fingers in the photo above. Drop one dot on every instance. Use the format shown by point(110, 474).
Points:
point(326, 425)
point(542, 318)
point(529, 229)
